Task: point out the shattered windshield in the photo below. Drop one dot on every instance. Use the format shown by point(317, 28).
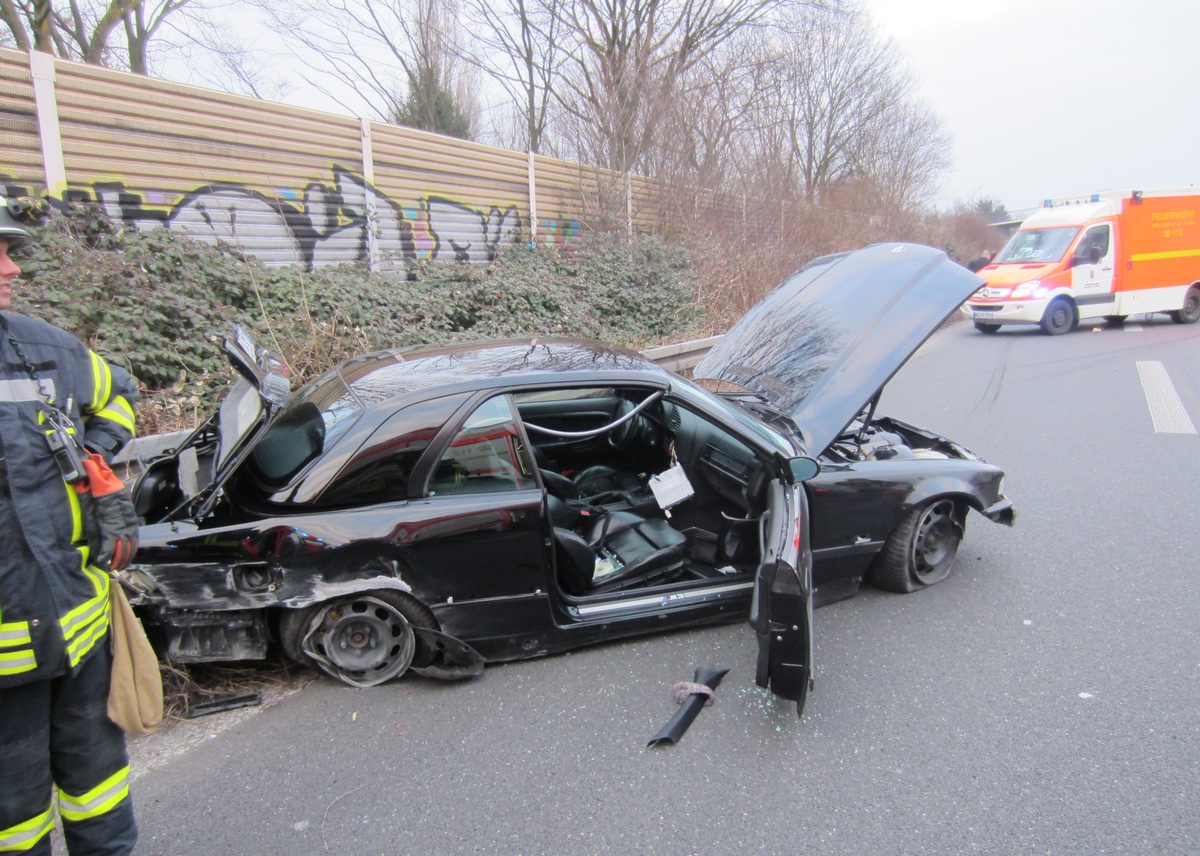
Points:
point(1037, 245)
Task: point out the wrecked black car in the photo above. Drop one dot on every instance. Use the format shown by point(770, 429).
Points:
point(433, 509)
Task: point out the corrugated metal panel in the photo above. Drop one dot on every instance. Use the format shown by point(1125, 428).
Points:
point(288, 184)
point(264, 177)
point(448, 198)
point(20, 146)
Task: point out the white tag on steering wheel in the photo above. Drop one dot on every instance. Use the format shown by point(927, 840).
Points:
point(671, 487)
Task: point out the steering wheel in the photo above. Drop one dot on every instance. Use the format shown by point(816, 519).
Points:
point(620, 435)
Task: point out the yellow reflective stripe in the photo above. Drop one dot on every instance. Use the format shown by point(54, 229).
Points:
point(84, 642)
point(23, 836)
point(1170, 254)
point(16, 662)
point(88, 611)
point(76, 513)
point(100, 799)
point(101, 382)
point(16, 633)
point(119, 411)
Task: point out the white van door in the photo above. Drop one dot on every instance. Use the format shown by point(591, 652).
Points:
point(1092, 272)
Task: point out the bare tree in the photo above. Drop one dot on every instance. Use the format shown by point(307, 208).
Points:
point(141, 23)
point(376, 50)
point(77, 29)
point(147, 37)
point(517, 44)
point(904, 157)
point(625, 61)
point(838, 81)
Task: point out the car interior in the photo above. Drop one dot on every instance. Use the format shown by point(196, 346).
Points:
point(611, 529)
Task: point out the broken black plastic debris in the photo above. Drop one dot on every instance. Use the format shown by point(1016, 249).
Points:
point(697, 695)
point(221, 703)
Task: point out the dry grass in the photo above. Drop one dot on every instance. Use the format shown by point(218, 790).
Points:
point(185, 686)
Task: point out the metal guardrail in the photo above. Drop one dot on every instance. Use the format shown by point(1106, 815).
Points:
point(679, 357)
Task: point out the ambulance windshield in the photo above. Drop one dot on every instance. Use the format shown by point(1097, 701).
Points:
point(1037, 245)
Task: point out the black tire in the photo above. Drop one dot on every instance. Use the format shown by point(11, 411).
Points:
point(1115, 320)
point(361, 639)
point(984, 327)
point(921, 548)
point(1059, 317)
point(1190, 312)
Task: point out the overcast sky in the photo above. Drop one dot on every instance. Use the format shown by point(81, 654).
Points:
point(1056, 97)
point(1046, 97)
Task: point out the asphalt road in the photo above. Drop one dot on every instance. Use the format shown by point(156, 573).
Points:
point(1043, 699)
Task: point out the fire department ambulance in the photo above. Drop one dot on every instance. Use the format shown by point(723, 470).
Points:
point(1116, 254)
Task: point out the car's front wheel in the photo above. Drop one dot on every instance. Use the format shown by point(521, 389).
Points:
point(985, 327)
point(921, 549)
point(362, 639)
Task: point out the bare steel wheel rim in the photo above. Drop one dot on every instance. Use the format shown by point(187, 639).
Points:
point(362, 640)
point(935, 542)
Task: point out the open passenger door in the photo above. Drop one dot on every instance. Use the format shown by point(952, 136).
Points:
point(781, 613)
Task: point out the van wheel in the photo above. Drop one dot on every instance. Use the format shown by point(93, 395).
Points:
point(921, 548)
point(1115, 320)
point(984, 327)
point(1059, 317)
point(1190, 312)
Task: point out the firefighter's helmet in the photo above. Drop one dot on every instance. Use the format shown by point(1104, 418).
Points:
point(18, 214)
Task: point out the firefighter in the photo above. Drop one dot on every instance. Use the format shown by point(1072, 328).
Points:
point(59, 402)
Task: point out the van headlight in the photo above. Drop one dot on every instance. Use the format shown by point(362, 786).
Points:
point(1025, 289)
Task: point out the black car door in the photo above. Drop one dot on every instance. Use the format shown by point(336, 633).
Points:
point(781, 612)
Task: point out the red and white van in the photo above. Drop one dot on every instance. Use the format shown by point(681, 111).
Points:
point(1116, 254)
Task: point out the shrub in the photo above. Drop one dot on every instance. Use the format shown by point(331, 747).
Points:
point(157, 302)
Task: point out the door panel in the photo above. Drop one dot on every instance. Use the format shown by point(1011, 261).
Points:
point(781, 612)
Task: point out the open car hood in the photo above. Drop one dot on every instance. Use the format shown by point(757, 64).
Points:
point(208, 456)
point(827, 339)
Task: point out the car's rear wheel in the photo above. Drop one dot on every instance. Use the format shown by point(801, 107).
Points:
point(984, 327)
point(1059, 317)
point(362, 639)
point(921, 549)
point(1190, 312)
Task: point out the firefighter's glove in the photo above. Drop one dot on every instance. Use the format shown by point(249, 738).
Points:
point(109, 517)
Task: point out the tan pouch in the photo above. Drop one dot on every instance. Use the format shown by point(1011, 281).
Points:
point(135, 696)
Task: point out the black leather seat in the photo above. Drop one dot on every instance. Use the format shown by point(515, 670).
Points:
point(616, 551)
point(596, 483)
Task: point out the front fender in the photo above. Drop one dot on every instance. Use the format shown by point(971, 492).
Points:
point(984, 497)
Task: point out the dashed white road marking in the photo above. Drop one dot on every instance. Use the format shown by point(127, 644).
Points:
point(1166, 410)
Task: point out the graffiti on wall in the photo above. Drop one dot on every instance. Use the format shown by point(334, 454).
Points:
point(347, 220)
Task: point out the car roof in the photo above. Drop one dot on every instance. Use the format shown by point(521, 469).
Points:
point(385, 375)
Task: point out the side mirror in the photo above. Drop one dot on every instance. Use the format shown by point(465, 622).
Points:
point(803, 468)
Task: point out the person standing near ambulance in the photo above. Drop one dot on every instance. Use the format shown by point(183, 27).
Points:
point(63, 412)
